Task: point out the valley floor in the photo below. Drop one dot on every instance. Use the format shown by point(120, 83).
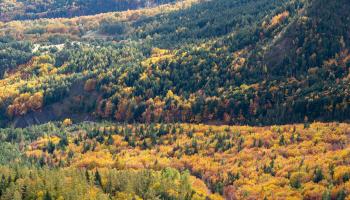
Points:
point(300, 161)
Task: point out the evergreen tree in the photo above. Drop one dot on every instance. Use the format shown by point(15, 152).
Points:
point(51, 147)
point(47, 196)
point(318, 175)
point(110, 140)
point(98, 180)
point(87, 175)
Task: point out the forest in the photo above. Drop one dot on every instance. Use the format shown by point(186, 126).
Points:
point(28, 9)
point(159, 65)
point(175, 161)
point(193, 99)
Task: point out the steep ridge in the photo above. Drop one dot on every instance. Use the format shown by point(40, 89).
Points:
point(314, 51)
point(319, 33)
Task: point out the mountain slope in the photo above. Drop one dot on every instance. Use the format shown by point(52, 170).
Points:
point(214, 61)
point(321, 32)
point(139, 104)
point(27, 9)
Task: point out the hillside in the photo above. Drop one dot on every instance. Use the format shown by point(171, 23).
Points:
point(28, 9)
point(174, 100)
point(232, 62)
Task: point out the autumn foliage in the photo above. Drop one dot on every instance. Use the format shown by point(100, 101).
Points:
point(238, 162)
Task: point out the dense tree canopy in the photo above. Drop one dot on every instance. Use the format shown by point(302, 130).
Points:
point(233, 62)
point(119, 161)
point(123, 99)
point(27, 9)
